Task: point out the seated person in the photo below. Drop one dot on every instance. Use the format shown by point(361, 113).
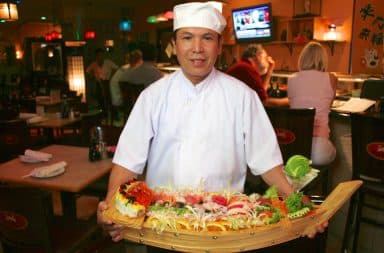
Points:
point(114, 82)
point(101, 69)
point(142, 70)
point(255, 69)
point(314, 87)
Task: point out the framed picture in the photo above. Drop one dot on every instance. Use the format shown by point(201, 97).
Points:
point(306, 8)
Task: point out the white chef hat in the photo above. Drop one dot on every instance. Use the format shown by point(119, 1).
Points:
point(198, 14)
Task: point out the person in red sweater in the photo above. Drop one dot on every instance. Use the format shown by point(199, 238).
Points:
point(255, 69)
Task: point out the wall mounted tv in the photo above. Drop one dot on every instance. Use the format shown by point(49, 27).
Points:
point(253, 23)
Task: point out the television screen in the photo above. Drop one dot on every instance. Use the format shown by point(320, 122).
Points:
point(253, 23)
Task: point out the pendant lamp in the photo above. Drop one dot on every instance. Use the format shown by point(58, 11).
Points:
point(8, 11)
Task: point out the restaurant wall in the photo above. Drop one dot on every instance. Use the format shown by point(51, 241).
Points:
point(368, 51)
point(283, 10)
point(103, 16)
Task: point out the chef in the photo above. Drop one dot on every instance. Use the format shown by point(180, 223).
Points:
point(196, 127)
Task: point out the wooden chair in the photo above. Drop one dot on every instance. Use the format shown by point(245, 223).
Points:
point(111, 134)
point(13, 134)
point(129, 94)
point(15, 138)
point(367, 165)
point(294, 130)
point(372, 89)
point(27, 223)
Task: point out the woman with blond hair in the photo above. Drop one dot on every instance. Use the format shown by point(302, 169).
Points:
point(314, 87)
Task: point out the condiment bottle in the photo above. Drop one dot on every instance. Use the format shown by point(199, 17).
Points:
point(96, 144)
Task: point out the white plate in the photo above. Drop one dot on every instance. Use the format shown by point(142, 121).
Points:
point(36, 119)
point(28, 159)
point(53, 174)
point(299, 184)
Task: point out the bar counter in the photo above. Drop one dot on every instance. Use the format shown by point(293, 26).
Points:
point(344, 78)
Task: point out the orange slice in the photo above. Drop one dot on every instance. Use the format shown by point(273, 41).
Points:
point(216, 226)
point(183, 224)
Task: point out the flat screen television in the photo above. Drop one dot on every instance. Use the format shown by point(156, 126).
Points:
point(253, 23)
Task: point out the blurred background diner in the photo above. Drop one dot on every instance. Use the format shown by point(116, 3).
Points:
point(67, 66)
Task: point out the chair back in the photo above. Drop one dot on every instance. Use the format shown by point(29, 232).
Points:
point(372, 89)
point(27, 222)
point(24, 217)
point(367, 130)
point(107, 101)
point(129, 94)
point(294, 129)
point(88, 121)
point(111, 134)
point(368, 146)
point(13, 138)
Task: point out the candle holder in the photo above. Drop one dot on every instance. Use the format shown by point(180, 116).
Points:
point(306, 8)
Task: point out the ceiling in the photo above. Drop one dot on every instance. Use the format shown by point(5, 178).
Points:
point(32, 10)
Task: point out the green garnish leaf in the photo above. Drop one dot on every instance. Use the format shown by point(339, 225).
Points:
point(271, 192)
point(297, 166)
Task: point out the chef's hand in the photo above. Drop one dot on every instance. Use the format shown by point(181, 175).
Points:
point(320, 228)
point(114, 230)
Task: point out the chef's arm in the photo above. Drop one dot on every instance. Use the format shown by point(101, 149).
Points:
point(276, 177)
point(119, 175)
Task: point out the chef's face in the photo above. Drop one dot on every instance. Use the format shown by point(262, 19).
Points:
point(197, 50)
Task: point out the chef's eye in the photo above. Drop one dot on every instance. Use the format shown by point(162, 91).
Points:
point(186, 37)
point(208, 37)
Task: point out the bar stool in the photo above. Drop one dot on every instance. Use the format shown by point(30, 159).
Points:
point(294, 128)
point(367, 165)
point(372, 89)
point(27, 223)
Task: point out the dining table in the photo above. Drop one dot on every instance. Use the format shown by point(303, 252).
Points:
point(79, 173)
point(50, 122)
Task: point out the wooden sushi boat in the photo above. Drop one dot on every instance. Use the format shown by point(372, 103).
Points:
point(243, 239)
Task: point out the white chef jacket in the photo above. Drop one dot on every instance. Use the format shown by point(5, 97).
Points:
point(201, 136)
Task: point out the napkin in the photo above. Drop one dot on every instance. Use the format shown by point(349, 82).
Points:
point(35, 119)
point(25, 115)
point(37, 155)
point(49, 170)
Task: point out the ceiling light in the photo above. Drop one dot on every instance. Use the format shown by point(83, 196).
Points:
point(8, 11)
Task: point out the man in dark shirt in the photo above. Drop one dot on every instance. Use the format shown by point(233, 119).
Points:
point(255, 69)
